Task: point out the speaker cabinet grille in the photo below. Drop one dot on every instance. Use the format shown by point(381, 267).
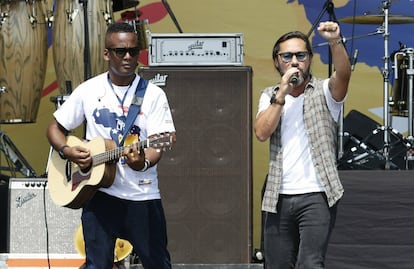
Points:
point(36, 224)
point(205, 180)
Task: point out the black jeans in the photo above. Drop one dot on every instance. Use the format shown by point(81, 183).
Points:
point(142, 223)
point(298, 235)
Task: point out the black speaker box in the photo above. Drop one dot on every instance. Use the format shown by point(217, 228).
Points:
point(36, 224)
point(364, 144)
point(206, 179)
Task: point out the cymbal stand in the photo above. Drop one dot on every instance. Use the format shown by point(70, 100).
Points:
point(385, 74)
point(386, 129)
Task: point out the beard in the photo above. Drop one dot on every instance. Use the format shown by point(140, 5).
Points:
point(302, 76)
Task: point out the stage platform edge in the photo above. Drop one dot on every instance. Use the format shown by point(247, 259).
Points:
point(210, 266)
point(40, 261)
point(74, 261)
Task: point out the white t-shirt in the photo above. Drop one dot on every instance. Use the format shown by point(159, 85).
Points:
point(95, 100)
point(299, 174)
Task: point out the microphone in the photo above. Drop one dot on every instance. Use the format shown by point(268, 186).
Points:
point(354, 60)
point(295, 79)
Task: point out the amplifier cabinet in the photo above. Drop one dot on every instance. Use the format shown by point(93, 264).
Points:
point(35, 223)
point(206, 179)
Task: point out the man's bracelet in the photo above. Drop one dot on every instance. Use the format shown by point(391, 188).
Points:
point(147, 164)
point(335, 42)
point(61, 153)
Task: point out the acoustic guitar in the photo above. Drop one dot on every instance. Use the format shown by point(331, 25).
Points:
point(71, 187)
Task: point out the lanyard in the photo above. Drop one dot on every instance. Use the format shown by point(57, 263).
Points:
point(135, 106)
point(121, 101)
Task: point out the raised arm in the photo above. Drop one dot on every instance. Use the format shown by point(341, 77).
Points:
point(338, 83)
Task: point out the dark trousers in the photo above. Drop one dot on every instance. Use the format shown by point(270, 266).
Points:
point(298, 235)
point(142, 223)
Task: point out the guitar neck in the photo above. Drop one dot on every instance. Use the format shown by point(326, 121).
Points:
point(114, 154)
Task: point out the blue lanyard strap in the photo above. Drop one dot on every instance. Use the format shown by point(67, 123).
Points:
point(135, 106)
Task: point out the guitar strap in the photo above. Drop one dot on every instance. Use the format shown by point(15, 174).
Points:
point(135, 107)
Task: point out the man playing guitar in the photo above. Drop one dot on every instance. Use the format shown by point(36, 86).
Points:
point(132, 194)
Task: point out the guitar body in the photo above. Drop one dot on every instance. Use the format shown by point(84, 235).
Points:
point(71, 187)
point(68, 185)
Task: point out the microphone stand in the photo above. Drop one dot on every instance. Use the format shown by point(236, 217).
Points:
point(86, 52)
point(332, 17)
point(170, 12)
point(346, 39)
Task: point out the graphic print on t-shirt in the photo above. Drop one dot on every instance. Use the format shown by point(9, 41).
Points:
point(117, 124)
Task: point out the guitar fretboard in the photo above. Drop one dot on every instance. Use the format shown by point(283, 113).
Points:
point(115, 153)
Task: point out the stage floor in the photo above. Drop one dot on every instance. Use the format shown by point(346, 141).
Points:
point(374, 228)
point(375, 222)
point(41, 261)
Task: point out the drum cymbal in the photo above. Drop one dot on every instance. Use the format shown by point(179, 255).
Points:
point(378, 19)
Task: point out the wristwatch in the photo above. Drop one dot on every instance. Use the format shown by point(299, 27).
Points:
point(61, 153)
point(274, 100)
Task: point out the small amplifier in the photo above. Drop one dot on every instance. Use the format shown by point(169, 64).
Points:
point(196, 49)
point(36, 224)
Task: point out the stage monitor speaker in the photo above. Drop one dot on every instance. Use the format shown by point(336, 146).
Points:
point(364, 144)
point(205, 180)
point(36, 224)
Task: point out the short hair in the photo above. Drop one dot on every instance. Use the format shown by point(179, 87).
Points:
point(119, 27)
point(290, 35)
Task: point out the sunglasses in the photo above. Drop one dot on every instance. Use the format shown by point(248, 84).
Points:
point(121, 52)
point(301, 56)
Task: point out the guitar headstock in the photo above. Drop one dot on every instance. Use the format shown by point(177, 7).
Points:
point(163, 141)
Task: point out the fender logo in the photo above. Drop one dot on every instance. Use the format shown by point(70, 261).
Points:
point(21, 200)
